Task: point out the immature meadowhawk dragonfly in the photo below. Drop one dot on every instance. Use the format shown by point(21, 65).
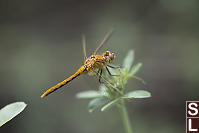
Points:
point(95, 61)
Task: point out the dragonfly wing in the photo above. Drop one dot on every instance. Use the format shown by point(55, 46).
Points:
point(104, 40)
point(84, 46)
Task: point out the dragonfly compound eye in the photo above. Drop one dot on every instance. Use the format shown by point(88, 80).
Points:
point(112, 56)
point(107, 53)
point(109, 56)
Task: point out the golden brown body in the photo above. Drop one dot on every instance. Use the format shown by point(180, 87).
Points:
point(90, 64)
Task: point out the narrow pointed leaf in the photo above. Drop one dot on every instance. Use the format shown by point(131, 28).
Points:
point(110, 104)
point(97, 102)
point(103, 90)
point(88, 94)
point(10, 111)
point(128, 60)
point(137, 94)
point(135, 68)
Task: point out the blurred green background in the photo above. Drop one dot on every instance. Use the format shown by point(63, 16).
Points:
point(40, 45)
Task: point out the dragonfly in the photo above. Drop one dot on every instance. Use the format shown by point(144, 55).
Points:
point(91, 64)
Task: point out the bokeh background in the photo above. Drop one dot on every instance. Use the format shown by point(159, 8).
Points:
point(40, 45)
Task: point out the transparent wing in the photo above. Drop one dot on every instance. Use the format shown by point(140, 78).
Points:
point(84, 46)
point(104, 40)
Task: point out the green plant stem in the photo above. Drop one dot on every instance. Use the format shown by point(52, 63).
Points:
point(125, 117)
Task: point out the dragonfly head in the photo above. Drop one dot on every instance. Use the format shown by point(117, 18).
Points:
point(109, 56)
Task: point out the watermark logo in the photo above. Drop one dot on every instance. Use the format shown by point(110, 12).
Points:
point(192, 116)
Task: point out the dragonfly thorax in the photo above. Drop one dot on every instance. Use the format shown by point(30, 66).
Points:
point(108, 56)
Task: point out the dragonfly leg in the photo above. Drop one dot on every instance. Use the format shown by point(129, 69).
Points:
point(115, 67)
point(100, 75)
point(110, 72)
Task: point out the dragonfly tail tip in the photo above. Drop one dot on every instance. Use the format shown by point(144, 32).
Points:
point(42, 96)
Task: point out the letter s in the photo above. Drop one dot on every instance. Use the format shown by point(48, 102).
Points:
point(193, 109)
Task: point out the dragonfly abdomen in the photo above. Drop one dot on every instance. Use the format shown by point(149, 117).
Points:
point(80, 71)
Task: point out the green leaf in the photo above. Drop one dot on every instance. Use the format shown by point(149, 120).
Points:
point(137, 94)
point(110, 104)
point(88, 94)
point(128, 60)
point(135, 69)
point(10, 111)
point(97, 102)
point(103, 90)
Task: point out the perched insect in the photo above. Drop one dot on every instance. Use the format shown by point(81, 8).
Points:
point(92, 63)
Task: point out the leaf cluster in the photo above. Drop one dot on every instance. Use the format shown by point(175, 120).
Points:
point(113, 91)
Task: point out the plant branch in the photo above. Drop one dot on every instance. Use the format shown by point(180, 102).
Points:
point(125, 117)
